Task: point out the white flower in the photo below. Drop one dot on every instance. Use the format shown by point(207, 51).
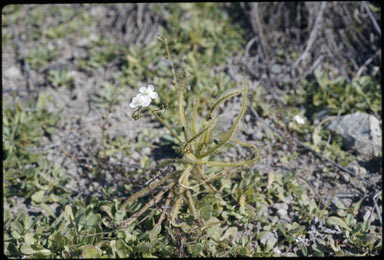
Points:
point(299, 119)
point(149, 91)
point(140, 101)
point(144, 98)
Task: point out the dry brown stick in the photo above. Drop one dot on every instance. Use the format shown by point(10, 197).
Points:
point(103, 129)
point(145, 190)
point(271, 90)
point(338, 64)
point(373, 20)
point(375, 197)
point(246, 55)
point(257, 26)
point(158, 197)
point(162, 216)
point(313, 35)
point(367, 62)
point(139, 14)
point(314, 65)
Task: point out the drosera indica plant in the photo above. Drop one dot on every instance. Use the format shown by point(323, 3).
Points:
point(197, 146)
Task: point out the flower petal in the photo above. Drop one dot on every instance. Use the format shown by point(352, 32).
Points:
point(143, 90)
point(146, 101)
point(150, 88)
point(153, 95)
point(134, 102)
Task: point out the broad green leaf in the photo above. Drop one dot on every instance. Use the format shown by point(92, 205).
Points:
point(242, 200)
point(122, 249)
point(39, 197)
point(304, 250)
point(215, 232)
point(206, 212)
point(17, 227)
point(119, 216)
point(316, 138)
point(337, 221)
point(93, 220)
point(350, 219)
point(108, 209)
point(195, 249)
point(33, 249)
point(90, 252)
point(232, 231)
point(48, 210)
point(69, 213)
point(271, 243)
point(29, 238)
point(6, 216)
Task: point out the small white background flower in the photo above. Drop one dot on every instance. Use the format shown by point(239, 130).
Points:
point(140, 101)
point(299, 119)
point(149, 91)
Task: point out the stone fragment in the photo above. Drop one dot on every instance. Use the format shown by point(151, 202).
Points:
point(361, 132)
point(276, 69)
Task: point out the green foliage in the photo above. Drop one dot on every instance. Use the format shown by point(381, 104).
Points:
point(101, 53)
point(10, 13)
point(41, 56)
point(61, 77)
point(139, 64)
point(26, 172)
point(362, 94)
point(23, 126)
point(108, 95)
point(259, 102)
point(211, 41)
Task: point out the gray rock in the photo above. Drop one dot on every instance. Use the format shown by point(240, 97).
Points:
point(280, 206)
point(276, 69)
point(257, 135)
point(281, 210)
point(360, 132)
point(282, 213)
point(13, 72)
point(268, 235)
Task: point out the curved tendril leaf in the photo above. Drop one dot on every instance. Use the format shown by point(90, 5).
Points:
point(235, 124)
point(211, 124)
point(222, 98)
point(233, 164)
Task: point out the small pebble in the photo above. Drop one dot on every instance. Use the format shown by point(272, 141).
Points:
point(146, 150)
point(345, 177)
point(282, 213)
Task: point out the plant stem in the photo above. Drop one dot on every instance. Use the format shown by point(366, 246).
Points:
point(170, 60)
point(165, 124)
point(181, 103)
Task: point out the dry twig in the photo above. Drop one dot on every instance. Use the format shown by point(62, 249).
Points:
point(373, 20)
point(312, 36)
point(377, 207)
